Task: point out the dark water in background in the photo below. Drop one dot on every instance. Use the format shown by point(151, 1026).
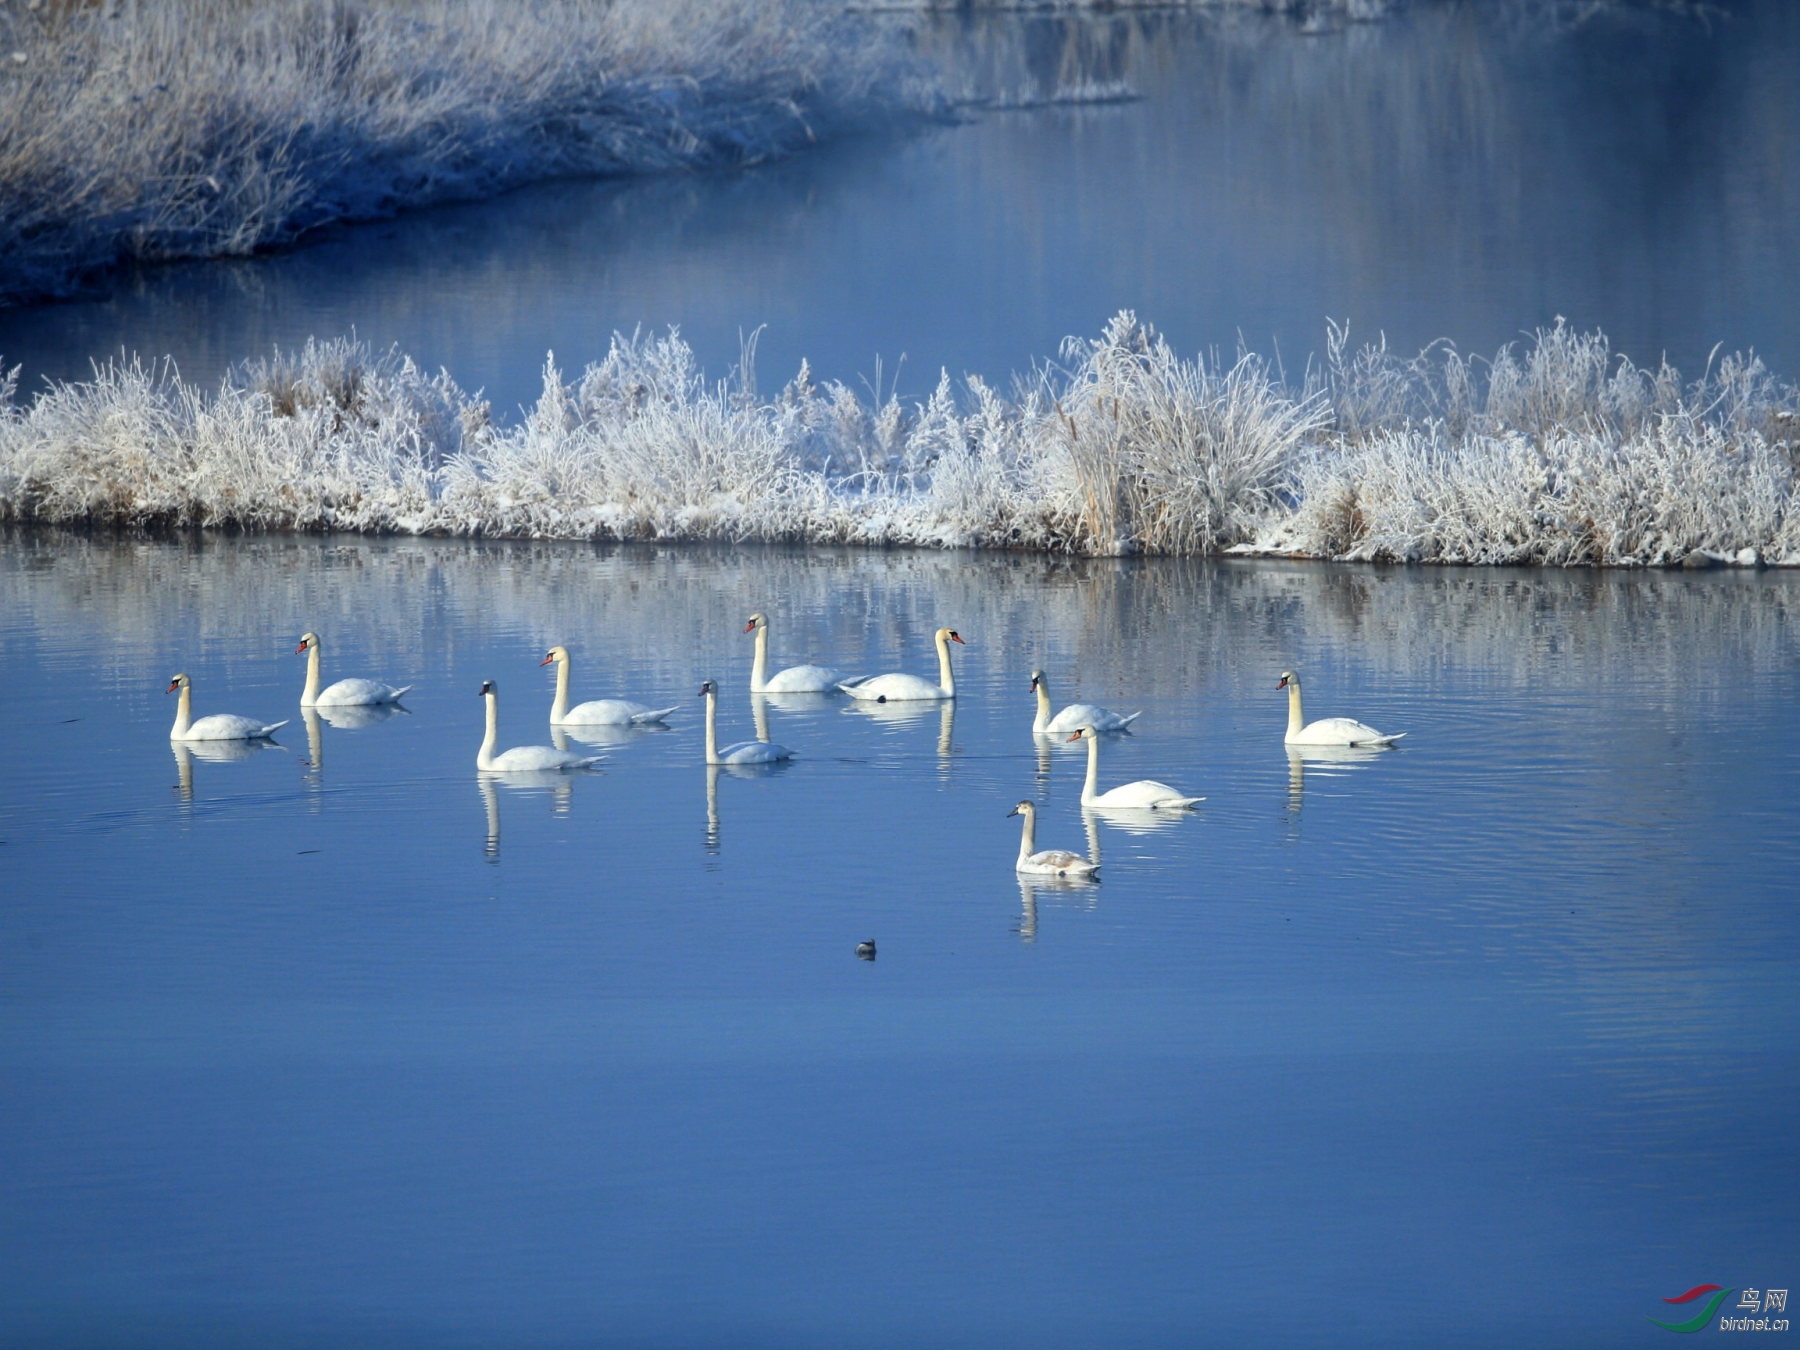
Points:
point(1488, 1040)
point(1452, 172)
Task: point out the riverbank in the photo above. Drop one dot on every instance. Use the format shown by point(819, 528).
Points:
point(207, 128)
point(1561, 452)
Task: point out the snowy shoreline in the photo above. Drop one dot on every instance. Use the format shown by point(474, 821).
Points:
point(1562, 453)
point(209, 128)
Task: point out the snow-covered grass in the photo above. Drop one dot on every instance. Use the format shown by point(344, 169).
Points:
point(154, 129)
point(1558, 453)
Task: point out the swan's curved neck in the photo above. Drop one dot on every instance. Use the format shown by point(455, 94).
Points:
point(311, 694)
point(560, 707)
point(1091, 788)
point(1043, 712)
point(945, 678)
point(759, 667)
point(485, 755)
point(184, 707)
point(712, 727)
point(1295, 719)
point(1027, 835)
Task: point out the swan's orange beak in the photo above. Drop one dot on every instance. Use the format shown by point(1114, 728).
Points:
point(547, 660)
point(1281, 683)
point(750, 627)
point(956, 639)
point(1076, 736)
point(299, 649)
point(173, 686)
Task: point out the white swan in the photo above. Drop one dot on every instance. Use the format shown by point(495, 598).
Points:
point(603, 712)
point(898, 688)
point(1144, 795)
point(522, 758)
point(1327, 730)
point(1073, 717)
point(345, 693)
point(1056, 862)
point(793, 680)
point(744, 752)
point(217, 726)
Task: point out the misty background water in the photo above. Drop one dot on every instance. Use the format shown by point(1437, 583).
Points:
point(1486, 1040)
point(1458, 170)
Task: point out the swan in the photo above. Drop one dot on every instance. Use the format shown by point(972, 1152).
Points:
point(217, 726)
point(744, 752)
point(793, 680)
point(897, 688)
point(607, 712)
point(1073, 717)
point(1056, 862)
point(1327, 730)
point(345, 693)
point(522, 758)
point(1145, 794)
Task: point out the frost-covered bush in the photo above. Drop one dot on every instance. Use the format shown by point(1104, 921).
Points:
point(194, 128)
point(1562, 453)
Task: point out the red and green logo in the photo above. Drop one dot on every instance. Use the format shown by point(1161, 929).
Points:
point(1719, 1295)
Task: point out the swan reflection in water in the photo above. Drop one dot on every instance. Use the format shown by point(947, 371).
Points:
point(906, 712)
point(343, 717)
point(1327, 761)
point(713, 774)
point(213, 752)
point(601, 734)
point(556, 784)
point(1083, 890)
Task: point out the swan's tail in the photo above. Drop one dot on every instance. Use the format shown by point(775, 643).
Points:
point(855, 689)
point(644, 719)
point(401, 692)
point(1129, 718)
point(272, 728)
point(1382, 740)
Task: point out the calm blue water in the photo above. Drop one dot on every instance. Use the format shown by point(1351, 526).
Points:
point(1456, 171)
point(1489, 1040)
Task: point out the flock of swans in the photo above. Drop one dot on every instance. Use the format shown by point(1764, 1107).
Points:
point(1077, 722)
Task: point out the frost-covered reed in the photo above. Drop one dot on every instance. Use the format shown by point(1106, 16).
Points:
point(1561, 453)
point(154, 129)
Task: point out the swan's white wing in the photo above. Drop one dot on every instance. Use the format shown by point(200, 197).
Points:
point(802, 680)
point(349, 693)
point(1341, 731)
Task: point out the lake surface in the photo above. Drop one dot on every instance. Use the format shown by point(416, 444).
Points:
point(1456, 171)
point(1488, 1040)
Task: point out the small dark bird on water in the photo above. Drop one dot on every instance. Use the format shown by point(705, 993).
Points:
point(866, 950)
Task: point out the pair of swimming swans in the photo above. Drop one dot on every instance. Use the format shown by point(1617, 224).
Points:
point(891, 688)
point(1144, 795)
point(350, 693)
point(521, 758)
